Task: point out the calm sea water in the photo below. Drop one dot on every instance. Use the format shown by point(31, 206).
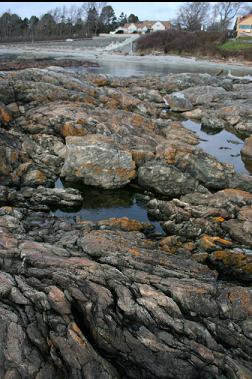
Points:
point(126, 69)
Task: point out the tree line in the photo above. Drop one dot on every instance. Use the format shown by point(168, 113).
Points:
point(92, 18)
point(86, 20)
point(216, 17)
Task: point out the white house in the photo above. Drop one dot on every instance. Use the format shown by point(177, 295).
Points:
point(143, 27)
point(161, 25)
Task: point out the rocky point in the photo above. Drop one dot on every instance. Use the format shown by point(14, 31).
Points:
point(111, 299)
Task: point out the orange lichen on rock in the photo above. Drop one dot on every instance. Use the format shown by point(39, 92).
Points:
point(169, 155)
point(170, 244)
point(125, 224)
point(134, 252)
point(69, 129)
point(141, 156)
point(218, 219)
point(210, 242)
point(5, 115)
point(235, 260)
point(236, 193)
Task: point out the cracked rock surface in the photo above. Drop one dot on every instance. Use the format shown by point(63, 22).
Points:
point(110, 299)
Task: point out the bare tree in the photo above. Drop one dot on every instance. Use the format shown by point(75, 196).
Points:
point(193, 15)
point(92, 11)
point(225, 12)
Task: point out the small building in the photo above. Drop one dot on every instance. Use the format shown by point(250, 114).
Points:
point(243, 26)
point(143, 27)
point(161, 25)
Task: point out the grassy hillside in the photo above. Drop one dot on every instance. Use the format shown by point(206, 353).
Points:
point(209, 44)
point(236, 45)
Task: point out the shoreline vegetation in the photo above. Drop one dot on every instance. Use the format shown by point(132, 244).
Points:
point(198, 44)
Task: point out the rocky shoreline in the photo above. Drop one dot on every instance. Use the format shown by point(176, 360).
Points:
point(18, 63)
point(108, 299)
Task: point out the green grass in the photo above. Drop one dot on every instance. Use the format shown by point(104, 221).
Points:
point(245, 38)
point(235, 45)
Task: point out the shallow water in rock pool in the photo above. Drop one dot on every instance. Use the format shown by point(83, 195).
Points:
point(101, 204)
point(223, 145)
point(128, 202)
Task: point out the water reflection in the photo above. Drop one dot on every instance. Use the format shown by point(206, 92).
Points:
point(223, 145)
point(101, 204)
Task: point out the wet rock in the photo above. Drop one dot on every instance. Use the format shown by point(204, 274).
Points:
point(98, 161)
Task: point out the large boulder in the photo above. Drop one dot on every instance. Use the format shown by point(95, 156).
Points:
point(98, 161)
point(185, 100)
point(178, 102)
point(166, 179)
point(202, 166)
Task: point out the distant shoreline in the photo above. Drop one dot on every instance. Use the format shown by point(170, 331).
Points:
point(100, 57)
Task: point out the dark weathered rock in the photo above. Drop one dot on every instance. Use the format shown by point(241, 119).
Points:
point(112, 299)
point(42, 198)
point(85, 308)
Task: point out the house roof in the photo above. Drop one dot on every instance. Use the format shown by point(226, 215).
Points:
point(149, 24)
point(128, 24)
point(167, 24)
point(243, 18)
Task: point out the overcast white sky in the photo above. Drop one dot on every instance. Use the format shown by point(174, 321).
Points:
point(144, 10)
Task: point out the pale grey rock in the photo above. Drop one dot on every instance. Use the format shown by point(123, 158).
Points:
point(98, 161)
